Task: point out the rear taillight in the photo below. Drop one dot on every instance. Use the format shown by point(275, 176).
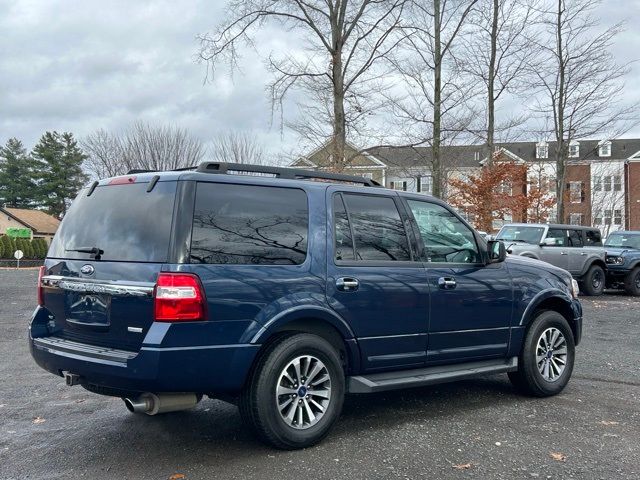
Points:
point(40, 287)
point(179, 297)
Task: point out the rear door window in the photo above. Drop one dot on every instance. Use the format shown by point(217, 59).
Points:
point(125, 221)
point(575, 238)
point(378, 230)
point(593, 238)
point(247, 224)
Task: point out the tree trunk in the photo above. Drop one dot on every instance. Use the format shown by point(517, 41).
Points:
point(436, 165)
point(560, 150)
point(338, 162)
point(487, 219)
point(491, 83)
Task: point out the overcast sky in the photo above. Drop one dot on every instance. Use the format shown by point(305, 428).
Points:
point(80, 65)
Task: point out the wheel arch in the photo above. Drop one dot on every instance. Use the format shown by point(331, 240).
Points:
point(316, 321)
point(557, 302)
point(596, 261)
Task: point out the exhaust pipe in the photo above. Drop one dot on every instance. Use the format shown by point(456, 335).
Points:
point(152, 404)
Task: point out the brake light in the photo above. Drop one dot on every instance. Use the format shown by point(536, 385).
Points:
point(122, 180)
point(40, 287)
point(179, 297)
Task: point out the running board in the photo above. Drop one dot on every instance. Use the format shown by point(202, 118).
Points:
point(419, 377)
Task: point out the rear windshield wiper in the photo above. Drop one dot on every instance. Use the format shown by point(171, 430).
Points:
point(95, 251)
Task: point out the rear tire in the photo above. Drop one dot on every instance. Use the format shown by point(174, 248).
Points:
point(632, 282)
point(547, 357)
point(295, 393)
point(594, 281)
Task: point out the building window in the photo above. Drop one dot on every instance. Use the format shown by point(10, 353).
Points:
point(398, 185)
point(576, 192)
point(367, 175)
point(476, 156)
point(425, 184)
point(542, 150)
point(607, 217)
point(574, 150)
point(597, 183)
point(597, 219)
point(617, 183)
point(617, 217)
point(604, 148)
point(575, 219)
point(608, 181)
point(505, 188)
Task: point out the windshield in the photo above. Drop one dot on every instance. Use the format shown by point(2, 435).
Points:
point(520, 233)
point(124, 221)
point(621, 240)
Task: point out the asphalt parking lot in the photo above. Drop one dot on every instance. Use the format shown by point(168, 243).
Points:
point(471, 429)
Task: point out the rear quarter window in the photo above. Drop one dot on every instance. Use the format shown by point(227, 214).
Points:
point(247, 224)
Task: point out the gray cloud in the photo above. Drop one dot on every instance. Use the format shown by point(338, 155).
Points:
point(82, 65)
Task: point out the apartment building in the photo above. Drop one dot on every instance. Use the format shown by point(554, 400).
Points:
point(602, 176)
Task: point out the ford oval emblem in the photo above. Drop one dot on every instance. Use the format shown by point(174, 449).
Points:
point(87, 269)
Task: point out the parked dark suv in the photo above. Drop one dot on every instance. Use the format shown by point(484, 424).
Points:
point(623, 261)
point(283, 294)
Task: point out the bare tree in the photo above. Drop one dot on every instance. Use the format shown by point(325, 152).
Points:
point(141, 146)
point(436, 108)
point(579, 82)
point(343, 44)
point(105, 156)
point(161, 148)
point(496, 52)
point(238, 147)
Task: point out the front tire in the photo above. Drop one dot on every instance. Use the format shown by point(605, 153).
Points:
point(547, 357)
point(295, 393)
point(632, 282)
point(594, 281)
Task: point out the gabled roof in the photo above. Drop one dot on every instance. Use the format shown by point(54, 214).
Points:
point(36, 220)
point(319, 158)
point(407, 157)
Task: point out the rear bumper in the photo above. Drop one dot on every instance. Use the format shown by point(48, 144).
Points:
point(202, 369)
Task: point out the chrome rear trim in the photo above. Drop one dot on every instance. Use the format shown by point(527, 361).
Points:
point(92, 286)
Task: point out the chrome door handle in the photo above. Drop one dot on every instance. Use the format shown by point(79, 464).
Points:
point(447, 283)
point(347, 284)
point(564, 253)
point(583, 254)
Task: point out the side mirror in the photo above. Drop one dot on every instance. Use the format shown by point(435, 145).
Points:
point(549, 242)
point(496, 251)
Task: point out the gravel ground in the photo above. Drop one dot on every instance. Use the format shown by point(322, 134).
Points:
point(471, 429)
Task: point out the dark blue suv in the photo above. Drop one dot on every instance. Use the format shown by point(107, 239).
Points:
point(263, 287)
point(623, 261)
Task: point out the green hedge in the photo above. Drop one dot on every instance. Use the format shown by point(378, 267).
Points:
point(33, 249)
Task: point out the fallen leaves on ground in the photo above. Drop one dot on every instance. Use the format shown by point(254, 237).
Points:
point(462, 466)
point(609, 422)
point(38, 420)
point(560, 457)
point(177, 476)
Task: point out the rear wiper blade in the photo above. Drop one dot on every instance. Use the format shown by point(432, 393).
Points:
point(95, 251)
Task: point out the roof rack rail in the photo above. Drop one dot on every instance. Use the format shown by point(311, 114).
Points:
point(282, 172)
point(135, 171)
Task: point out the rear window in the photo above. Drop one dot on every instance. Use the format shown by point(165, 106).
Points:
point(125, 221)
point(378, 230)
point(247, 224)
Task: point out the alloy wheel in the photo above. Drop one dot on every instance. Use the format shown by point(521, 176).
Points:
point(551, 354)
point(303, 392)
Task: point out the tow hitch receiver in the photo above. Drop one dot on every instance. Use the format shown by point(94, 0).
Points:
point(71, 378)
